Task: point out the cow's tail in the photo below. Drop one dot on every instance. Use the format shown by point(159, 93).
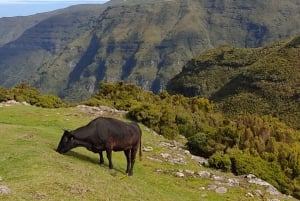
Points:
point(140, 150)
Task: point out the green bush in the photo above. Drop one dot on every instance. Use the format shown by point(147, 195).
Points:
point(271, 172)
point(221, 161)
point(201, 144)
point(3, 94)
point(24, 93)
point(147, 114)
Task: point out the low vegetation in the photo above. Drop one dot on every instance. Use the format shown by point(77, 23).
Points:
point(235, 145)
point(24, 93)
point(246, 80)
point(32, 170)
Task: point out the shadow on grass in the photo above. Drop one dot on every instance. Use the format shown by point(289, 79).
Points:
point(83, 157)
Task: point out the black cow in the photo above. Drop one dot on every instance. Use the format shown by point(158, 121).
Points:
point(105, 134)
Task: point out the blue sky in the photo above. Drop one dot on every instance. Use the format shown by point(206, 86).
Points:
point(11, 8)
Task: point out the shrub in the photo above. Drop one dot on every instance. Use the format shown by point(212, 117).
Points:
point(200, 144)
point(269, 171)
point(221, 161)
point(148, 114)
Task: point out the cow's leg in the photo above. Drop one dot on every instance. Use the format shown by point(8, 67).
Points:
point(133, 154)
point(101, 158)
point(128, 159)
point(108, 154)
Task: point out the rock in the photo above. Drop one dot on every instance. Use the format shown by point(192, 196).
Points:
point(211, 187)
point(159, 171)
point(165, 155)
point(173, 159)
point(101, 110)
point(189, 172)
point(179, 174)
point(204, 174)
point(147, 149)
point(221, 190)
point(258, 192)
point(166, 144)
point(179, 161)
point(249, 195)
point(154, 159)
point(4, 190)
point(186, 152)
point(250, 176)
point(272, 190)
point(254, 180)
point(233, 182)
point(200, 160)
point(25, 103)
point(202, 188)
point(217, 178)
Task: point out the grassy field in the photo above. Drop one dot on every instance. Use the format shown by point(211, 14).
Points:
point(32, 169)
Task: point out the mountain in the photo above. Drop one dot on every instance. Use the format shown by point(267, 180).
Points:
point(12, 28)
point(262, 80)
point(143, 42)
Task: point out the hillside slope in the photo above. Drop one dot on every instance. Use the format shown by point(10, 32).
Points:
point(31, 169)
point(12, 28)
point(143, 42)
point(258, 80)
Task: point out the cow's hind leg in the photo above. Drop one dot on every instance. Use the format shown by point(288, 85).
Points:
point(133, 154)
point(128, 159)
point(108, 154)
point(101, 158)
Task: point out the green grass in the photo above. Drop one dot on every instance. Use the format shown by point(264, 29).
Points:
point(32, 169)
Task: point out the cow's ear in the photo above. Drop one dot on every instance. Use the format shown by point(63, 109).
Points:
point(71, 136)
point(66, 130)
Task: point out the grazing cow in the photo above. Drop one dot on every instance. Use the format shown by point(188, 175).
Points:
point(105, 134)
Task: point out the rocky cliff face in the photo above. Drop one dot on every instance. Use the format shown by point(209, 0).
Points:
point(145, 42)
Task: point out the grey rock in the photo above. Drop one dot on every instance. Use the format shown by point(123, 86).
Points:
point(179, 174)
point(272, 190)
point(4, 190)
point(233, 182)
point(211, 187)
point(148, 149)
point(189, 172)
point(221, 190)
point(204, 174)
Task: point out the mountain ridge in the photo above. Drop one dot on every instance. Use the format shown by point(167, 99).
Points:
point(143, 42)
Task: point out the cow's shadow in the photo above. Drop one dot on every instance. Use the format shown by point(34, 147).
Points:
point(93, 160)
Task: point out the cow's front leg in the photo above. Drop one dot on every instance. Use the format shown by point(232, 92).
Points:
point(108, 154)
point(101, 158)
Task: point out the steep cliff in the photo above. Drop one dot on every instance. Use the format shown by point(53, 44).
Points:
point(143, 42)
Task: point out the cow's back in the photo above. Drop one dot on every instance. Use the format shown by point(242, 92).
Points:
point(120, 134)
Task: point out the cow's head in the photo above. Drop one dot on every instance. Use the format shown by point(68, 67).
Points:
point(66, 143)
